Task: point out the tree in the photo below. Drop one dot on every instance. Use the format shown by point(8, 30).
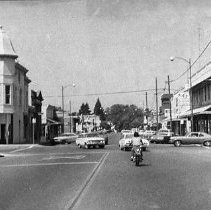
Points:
point(105, 125)
point(84, 109)
point(125, 116)
point(87, 110)
point(98, 110)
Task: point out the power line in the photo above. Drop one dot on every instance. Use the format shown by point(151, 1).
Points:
point(108, 93)
point(193, 62)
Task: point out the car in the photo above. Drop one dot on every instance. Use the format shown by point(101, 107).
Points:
point(65, 138)
point(88, 140)
point(148, 134)
point(191, 138)
point(146, 144)
point(141, 132)
point(103, 134)
point(125, 142)
point(125, 131)
point(133, 130)
point(162, 136)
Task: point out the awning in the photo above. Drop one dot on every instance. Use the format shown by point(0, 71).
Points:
point(173, 119)
point(198, 111)
point(53, 122)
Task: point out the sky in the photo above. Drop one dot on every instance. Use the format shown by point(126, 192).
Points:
point(107, 46)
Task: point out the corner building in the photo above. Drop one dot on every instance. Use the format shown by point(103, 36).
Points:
point(13, 95)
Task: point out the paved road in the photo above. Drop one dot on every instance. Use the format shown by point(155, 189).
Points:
point(66, 177)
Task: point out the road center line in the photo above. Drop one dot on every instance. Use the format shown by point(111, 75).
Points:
point(87, 183)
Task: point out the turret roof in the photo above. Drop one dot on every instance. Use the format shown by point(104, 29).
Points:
point(6, 47)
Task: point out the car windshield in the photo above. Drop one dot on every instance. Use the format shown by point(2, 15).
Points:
point(92, 135)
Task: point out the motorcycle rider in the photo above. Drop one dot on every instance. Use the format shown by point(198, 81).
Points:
point(137, 142)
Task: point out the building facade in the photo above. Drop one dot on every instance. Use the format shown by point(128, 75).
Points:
point(201, 99)
point(14, 94)
point(51, 125)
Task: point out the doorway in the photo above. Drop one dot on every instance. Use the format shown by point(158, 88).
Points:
point(3, 132)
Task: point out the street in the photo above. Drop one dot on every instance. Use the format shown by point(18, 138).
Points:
point(66, 177)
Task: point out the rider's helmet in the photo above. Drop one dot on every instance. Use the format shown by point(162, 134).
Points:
point(136, 134)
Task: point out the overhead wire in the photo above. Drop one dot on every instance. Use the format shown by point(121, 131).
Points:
point(106, 93)
point(192, 64)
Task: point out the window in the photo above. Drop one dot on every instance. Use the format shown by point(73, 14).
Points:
point(7, 94)
point(205, 93)
point(20, 97)
point(19, 77)
point(194, 134)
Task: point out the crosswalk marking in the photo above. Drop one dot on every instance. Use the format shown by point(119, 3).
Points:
point(47, 164)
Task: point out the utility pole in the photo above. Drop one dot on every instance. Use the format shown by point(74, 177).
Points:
point(62, 109)
point(191, 97)
point(70, 117)
point(170, 102)
point(146, 110)
point(156, 93)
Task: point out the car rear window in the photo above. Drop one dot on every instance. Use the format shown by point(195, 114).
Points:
point(127, 136)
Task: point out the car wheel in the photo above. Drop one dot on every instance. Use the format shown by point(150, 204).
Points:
point(207, 143)
point(177, 143)
point(125, 149)
point(101, 146)
point(79, 146)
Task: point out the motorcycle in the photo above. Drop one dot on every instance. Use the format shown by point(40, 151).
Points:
point(137, 156)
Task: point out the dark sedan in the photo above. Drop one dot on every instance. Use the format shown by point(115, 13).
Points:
point(192, 138)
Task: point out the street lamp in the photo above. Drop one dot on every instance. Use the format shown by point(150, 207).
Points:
point(191, 95)
point(33, 124)
point(63, 87)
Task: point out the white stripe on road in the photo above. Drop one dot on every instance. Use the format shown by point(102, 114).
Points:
point(47, 164)
point(18, 150)
point(48, 154)
point(90, 179)
point(77, 157)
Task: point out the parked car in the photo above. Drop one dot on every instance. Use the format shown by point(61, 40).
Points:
point(87, 140)
point(125, 142)
point(65, 138)
point(162, 136)
point(191, 138)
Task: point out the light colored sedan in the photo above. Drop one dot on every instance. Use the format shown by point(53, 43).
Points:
point(65, 138)
point(125, 142)
point(192, 138)
point(87, 140)
point(146, 144)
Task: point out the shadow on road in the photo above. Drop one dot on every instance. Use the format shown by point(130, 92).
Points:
point(144, 164)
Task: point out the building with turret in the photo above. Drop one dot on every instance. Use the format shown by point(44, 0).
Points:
point(14, 84)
